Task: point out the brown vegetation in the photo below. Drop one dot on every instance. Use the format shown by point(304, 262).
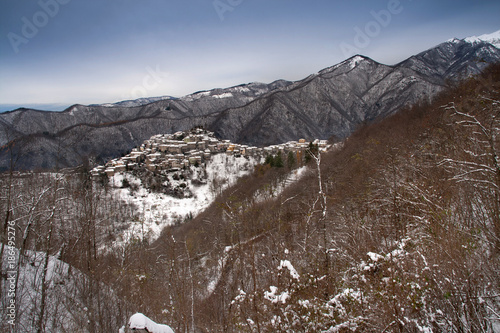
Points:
point(399, 230)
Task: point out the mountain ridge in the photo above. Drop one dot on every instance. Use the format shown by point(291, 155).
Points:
point(331, 102)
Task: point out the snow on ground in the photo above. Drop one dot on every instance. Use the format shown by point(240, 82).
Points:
point(241, 89)
point(223, 95)
point(26, 297)
point(66, 299)
point(157, 210)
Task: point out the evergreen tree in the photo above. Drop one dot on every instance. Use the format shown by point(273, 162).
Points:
point(291, 160)
point(270, 160)
point(311, 150)
point(278, 161)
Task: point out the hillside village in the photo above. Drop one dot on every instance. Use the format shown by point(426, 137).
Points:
point(172, 152)
point(396, 228)
point(170, 178)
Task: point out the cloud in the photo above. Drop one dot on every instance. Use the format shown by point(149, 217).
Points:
point(100, 51)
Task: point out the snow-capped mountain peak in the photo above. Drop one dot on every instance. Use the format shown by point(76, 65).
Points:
point(493, 39)
point(348, 64)
point(454, 40)
point(354, 61)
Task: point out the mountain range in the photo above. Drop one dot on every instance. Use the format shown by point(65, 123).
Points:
point(330, 103)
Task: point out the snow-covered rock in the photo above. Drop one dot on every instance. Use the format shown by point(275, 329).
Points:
point(139, 321)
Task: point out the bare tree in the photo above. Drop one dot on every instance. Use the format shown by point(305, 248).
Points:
point(478, 163)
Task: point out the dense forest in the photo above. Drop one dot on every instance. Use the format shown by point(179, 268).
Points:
point(396, 230)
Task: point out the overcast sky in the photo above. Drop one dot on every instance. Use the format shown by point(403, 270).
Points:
point(54, 53)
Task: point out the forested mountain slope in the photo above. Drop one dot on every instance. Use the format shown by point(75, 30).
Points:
point(333, 102)
point(396, 230)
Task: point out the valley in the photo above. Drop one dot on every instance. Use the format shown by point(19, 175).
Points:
point(331, 103)
point(364, 197)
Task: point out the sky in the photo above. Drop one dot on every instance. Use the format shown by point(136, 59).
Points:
point(56, 53)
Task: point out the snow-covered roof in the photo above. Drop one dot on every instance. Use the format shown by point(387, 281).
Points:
point(139, 321)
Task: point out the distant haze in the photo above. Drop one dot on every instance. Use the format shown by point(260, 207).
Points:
point(42, 107)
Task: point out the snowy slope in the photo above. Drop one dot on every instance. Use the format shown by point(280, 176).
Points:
point(66, 302)
point(27, 298)
point(154, 211)
point(136, 102)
